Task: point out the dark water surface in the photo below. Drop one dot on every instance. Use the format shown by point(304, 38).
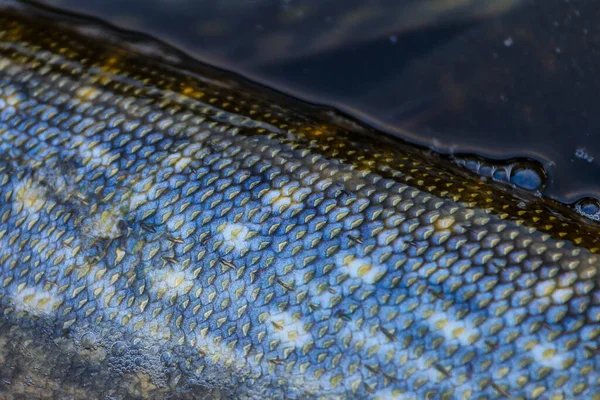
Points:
point(498, 78)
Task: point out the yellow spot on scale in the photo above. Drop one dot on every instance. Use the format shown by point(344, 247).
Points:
point(178, 161)
point(104, 225)
point(12, 100)
point(170, 282)
point(235, 235)
point(173, 280)
point(192, 92)
point(87, 93)
point(363, 269)
point(290, 330)
point(30, 197)
point(36, 301)
point(110, 67)
point(444, 223)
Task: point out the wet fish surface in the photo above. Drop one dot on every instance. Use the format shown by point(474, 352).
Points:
point(171, 232)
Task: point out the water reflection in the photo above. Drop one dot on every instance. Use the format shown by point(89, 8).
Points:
point(259, 32)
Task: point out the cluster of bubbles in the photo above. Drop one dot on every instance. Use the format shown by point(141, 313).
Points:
point(123, 354)
point(521, 173)
point(589, 207)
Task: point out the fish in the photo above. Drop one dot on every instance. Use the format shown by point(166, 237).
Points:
point(171, 230)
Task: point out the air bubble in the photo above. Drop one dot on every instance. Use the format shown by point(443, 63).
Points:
point(526, 177)
point(118, 349)
point(89, 341)
point(167, 358)
point(589, 207)
point(501, 174)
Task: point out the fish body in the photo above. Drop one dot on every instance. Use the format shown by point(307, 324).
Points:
point(173, 233)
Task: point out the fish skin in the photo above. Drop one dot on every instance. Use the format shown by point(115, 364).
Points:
point(173, 234)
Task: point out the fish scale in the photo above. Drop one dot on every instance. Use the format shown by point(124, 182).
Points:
point(176, 234)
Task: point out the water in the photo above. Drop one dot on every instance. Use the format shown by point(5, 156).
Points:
point(502, 79)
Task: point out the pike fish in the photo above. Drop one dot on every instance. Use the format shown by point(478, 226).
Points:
point(170, 230)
